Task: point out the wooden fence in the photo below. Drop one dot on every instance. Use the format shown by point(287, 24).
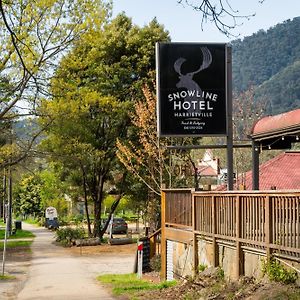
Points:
point(266, 220)
point(178, 208)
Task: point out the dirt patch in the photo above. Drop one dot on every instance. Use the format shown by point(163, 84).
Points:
point(17, 264)
point(17, 254)
point(153, 277)
point(104, 248)
point(23, 254)
point(277, 291)
point(211, 287)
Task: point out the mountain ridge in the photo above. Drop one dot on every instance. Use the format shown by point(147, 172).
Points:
point(268, 61)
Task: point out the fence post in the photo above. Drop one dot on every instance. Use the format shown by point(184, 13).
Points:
point(152, 241)
point(239, 263)
point(214, 229)
point(195, 243)
point(268, 228)
point(163, 274)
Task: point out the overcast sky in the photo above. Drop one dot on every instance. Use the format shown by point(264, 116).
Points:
point(184, 24)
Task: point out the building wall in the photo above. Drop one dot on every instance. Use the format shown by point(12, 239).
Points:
point(182, 259)
point(253, 264)
point(205, 253)
point(227, 260)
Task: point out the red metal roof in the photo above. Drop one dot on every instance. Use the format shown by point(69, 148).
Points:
point(275, 123)
point(282, 172)
point(207, 171)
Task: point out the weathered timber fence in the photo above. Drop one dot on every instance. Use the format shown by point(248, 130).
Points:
point(268, 221)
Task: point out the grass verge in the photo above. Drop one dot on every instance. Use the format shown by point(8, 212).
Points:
point(130, 285)
point(16, 244)
point(18, 235)
point(7, 277)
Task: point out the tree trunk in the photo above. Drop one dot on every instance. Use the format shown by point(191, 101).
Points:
point(196, 175)
point(115, 203)
point(112, 210)
point(97, 220)
point(98, 205)
point(86, 203)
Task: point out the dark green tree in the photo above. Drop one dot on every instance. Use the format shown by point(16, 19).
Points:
point(94, 90)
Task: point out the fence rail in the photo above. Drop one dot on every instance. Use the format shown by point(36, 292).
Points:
point(155, 245)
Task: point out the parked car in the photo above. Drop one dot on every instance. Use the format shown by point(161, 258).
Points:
point(119, 226)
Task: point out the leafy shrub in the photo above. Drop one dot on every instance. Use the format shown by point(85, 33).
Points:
point(67, 235)
point(220, 273)
point(202, 267)
point(78, 219)
point(276, 272)
point(64, 221)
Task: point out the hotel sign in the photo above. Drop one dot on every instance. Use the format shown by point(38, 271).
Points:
point(191, 89)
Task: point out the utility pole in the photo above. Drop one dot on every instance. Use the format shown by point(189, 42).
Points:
point(229, 121)
point(9, 191)
point(6, 214)
point(3, 212)
point(9, 200)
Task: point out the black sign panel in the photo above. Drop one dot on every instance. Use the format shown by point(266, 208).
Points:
point(191, 89)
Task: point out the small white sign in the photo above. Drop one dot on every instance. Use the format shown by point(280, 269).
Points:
point(51, 213)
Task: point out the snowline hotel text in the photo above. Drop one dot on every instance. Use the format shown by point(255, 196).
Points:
point(202, 103)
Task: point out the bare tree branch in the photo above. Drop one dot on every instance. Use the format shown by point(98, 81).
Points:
point(219, 12)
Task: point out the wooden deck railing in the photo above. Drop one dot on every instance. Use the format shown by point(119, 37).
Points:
point(264, 219)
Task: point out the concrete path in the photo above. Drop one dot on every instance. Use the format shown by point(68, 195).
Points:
point(55, 274)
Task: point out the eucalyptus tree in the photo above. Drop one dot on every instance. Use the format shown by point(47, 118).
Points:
point(33, 37)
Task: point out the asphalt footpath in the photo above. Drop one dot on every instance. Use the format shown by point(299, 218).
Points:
point(55, 274)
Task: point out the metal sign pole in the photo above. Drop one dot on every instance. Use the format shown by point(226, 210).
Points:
point(255, 165)
point(9, 195)
point(229, 121)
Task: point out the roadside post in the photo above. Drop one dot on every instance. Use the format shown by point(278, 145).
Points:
point(140, 260)
point(110, 227)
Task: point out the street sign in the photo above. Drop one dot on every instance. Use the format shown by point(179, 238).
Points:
point(191, 89)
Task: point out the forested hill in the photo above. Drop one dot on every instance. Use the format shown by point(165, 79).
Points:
point(270, 60)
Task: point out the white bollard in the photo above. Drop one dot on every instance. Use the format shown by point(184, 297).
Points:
point(140, 260)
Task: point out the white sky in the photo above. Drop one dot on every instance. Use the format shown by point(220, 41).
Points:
point(184, 24)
